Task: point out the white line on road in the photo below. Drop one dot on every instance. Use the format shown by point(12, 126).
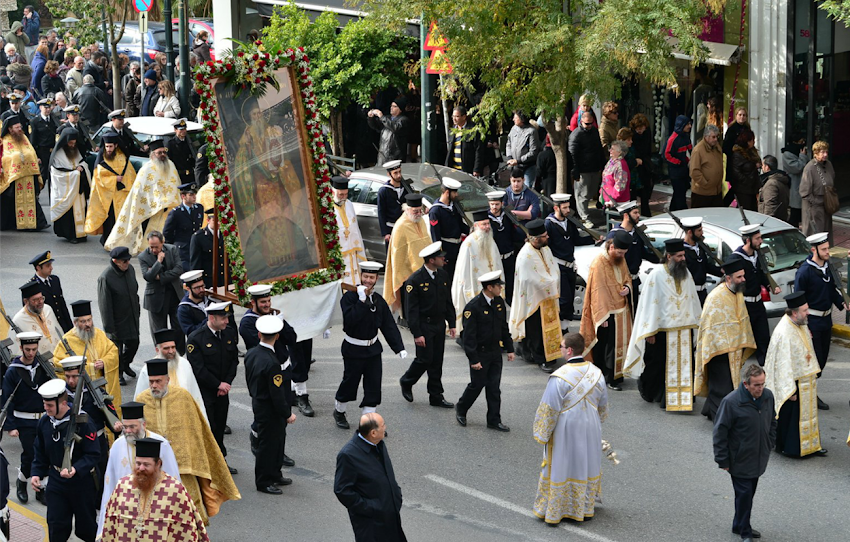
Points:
point(241, 406)
point(511, 506)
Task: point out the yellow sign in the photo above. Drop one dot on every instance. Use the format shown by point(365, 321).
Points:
point(435, 39)
point(439, 63)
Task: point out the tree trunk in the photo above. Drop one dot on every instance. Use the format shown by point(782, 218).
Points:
point(335, 120)
point(559, 135)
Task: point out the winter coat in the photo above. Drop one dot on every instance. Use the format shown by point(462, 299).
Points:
point(37, 65)
point(130, 92)
point(93, 103)
point(73, 82)
point(794, 161)
point(608, 132)
point(118, 300)
point(706, 168)
point(588, 154)
point(730, 137)
point(202, 49)
point(744, 433)
point(642, 145)
point(169, 106)
point(21, 41)
point(20, 74)
point(31, 27)
point(678, 145)
point(51, 84)
point(139, 98)
point(815, 176)
point(523, 146)
point(576, 118)
point(744, 175)
point(90, 68)
point(775, 194)
point(394, 135)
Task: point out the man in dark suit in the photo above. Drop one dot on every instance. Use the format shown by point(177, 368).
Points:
point(201, 252)
point(183, 222)
point(43, 137)
point(465, 154)
point(182, 153)
point(365, 484)
point(202, 166)
point(127, 140)
point(52, 289)
point(161, 269)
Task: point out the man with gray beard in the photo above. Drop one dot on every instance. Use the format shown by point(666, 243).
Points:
point(478, 256)
point(660, 349)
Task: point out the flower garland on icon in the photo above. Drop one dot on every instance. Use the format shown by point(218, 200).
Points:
point(249, 68)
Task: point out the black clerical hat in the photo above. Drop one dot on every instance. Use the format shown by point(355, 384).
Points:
point(30, 289)
point(339, 182)
point(165, 335)
point(536, 227)
point(622, 239)
point(148, 447)
point(157, 367)
point(733, 265)
point(483, 214)
point(81, 308)
point(673, 246)
point(133, 410)
point(795, 300)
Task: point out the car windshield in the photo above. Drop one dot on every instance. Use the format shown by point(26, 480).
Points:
point(159, 37)
point(473, 194)
point(783, 249)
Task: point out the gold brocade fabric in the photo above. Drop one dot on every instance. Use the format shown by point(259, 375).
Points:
point(100, 348)
point(574, 499)
point(4, 325)
point(602, 299)
point(544, 423)
point(724, 328)
point(105, 193)
point(19, 169)
point(166, 515)
point(551, 324)
point(178, 418)
point(407, 240)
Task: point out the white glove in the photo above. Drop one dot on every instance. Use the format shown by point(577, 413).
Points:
point(326, 334)
point(361, 292)
point(402, 354)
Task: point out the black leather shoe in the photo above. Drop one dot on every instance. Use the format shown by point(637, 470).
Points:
point(288, 461)
point(339, 418)
point(41, 497)
point(304, 405)
point(121, 381)
point(756, 534)
point(227, 430)
point(282, 481)
point(271, 490)
point(129, 372)
point(23, 496)
point(461, 419)
point(547, 368)
point(232, 470)
point(615, 387)
point(254, 443)
point(499, 427)
point(442, 403)
point(407, 393)
point(822, 405)
point(822, 452)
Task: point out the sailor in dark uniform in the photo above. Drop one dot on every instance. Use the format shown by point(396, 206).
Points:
point(485, 332)
point(271, 400)
point(43, 137)
point(447, 224)
point(428, 308)
point(814, 278)
point(84, 144)
point(202, 166)
point(126, 140)
point(182, 153)
point(364, 313)
point(390, 198)
point(4, 495)
point(192, 309)
point(638, 251)
point(754, 279)
point(51, 287)
point(201, 252)
point(15, 100)
point(184, 221)
point(508, 237)
point(563, 238)
point(71, 495)
point(700, 265)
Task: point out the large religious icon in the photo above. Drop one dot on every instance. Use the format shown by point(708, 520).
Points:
point(271, 180)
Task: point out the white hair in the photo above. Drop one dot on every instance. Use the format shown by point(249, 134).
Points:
point(88, 79)
point(10, 48)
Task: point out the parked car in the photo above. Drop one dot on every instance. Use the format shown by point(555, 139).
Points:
point(195, 27)
point(149, 128)
point(130, 43)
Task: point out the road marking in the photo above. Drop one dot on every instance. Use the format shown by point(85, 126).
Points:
point(511, 506)
point(241, 406)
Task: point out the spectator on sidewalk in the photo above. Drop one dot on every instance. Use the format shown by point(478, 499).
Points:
point(130, 86)
point(39, 59)
point(92, 101)
point(642, 145)
point(523, 147)
point(744, 174)
point(795, 157)
point(610, 124)
point(775, 193)
point(706, 167)
point(51, 83)
point(626, 136)
point(547, 168)
point(17, 37)
point(584, 105)
point(201, 47)
point(394, 131)
point(615, 176)
point(818, 177)
point(464, 153)
point(147, 96)
point(588, 160)
point(676, 154)
point(74, 78)
point(31, 24)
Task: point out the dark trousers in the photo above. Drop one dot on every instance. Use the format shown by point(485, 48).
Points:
point(568, 292)
point(27, 437)
point(370, 370)
point(71, 506)
point(821, 328)
point(429, 358)
point(748, 201)
point(4, 481)
point(488, 378)
point(645, 194)
point(532, 344)
point(745, 490)
point(101, 464)
point(216, 408)
point(761, 331)
point(719, 378)
point(699, 201)
point(126, 352)
point(271, 439)
point(509, 265)
point(795, 217)
point(43, 154)
point(702, 294)
point(681, 182)
point(159, 320)
point(605, 350)
point(300, 370)
point(652, 382)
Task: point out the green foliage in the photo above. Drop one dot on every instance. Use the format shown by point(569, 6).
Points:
point(89, 29)
point(838, 9)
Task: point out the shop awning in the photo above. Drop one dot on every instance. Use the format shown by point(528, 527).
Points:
point(722, 54)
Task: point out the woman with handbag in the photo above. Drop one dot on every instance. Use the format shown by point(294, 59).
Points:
point(167, 105)
point(817, 188)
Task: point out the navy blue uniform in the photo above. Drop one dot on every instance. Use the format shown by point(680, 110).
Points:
point(182, 154)
point(390, 199)
point(181, 224)
point(201, 255)
point(634, 256)
point(822, 295)
point(191, 315)
point(53, 296)
point(68, 499)
point(449, 227)
point(563, 238)
point(286, 347)
point(755, 279)
point(98, 419)
point(509, 239)
point(524, 201)
point(700, 265)
point(43, 138)
point(126, 142)
point(361, 320)
point(202, 166)
point(26, 407)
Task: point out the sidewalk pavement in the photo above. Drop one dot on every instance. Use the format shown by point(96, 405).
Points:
point(26, 525)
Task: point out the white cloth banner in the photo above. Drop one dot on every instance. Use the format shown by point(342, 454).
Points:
point(312, 310)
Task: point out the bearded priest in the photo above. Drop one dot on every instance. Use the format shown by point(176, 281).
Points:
point(19, 179)
point(660, 351)
point(478, 255)
point(409, 237)
point(69, 184)
point(350, 239)
point(114, 176)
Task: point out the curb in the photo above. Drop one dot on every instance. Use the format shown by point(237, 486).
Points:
point(29, 514)
point(841, 330)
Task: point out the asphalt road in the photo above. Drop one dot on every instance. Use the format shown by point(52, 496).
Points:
point(475, 484)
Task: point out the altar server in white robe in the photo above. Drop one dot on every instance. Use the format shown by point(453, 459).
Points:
point(478, 256)
point(568, 424)
point(660, 351)
point(348, 228)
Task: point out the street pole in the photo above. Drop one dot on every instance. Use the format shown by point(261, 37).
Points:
point(427, 94)
point(183, 35)
point(105, 34)
point(169, 41)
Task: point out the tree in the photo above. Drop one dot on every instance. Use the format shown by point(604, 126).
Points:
point(348, 65)
point(88, 30)
point(535, 55)
point(839, 9)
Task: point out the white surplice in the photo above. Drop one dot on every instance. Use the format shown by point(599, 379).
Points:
point(537, 279)
point(181, 375)
point(350, 242)
point(44, 323)
point(478, 254)
point(65, 189)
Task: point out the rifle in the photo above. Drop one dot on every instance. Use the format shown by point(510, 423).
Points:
point(77, 417)
point(759, 256)
point(702, 246)
point(506, 210)
point(457, 202)
point(5, 411)
point(577, 223)
point(6, 352)
point(96, 388)
point(39, 358)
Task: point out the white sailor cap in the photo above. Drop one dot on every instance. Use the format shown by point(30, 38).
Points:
point(392, 164)
point(269, 324)
point(72, 362)
point(191, 276)
point(73, 108)
point(749, 229)
point(815, 239)
point(29, 337)
point(52, 389)
point(219, 309)
point(691, 222)
point(118, 113)
point(493, 277)
point(432, 250)
point(451, 184)
point(371, 267)
point(626, 207)
point(496, 195)
point(260, 290)
point(561, 198)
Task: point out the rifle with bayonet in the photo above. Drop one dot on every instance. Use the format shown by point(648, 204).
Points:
point(96, 388)
point(39, 358)
point(456, 202)
point(702, 246)
point(762, 263)
point(639, 232)
point(77, 417)
point(5, 411)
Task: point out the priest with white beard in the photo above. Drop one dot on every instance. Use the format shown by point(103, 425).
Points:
point(660, 351)
point(122, 455)
point(350, 239)
point(179, 369)
point(478, 256)
point(70, 179)
point(153, 195)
